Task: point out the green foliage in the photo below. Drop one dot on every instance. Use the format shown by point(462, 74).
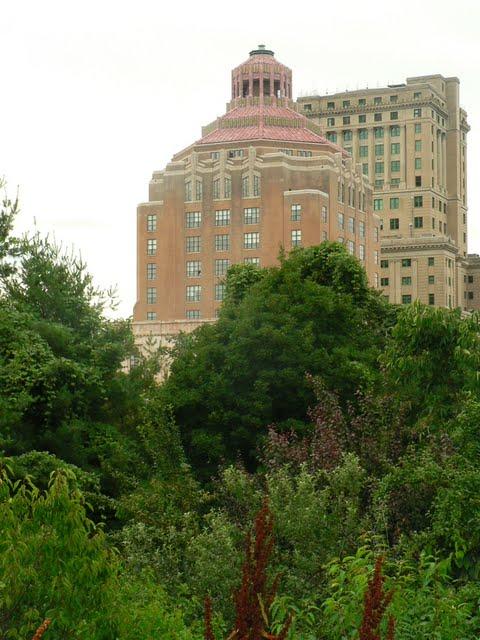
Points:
point(433, 359)
point(54, 563)
point(230, 380)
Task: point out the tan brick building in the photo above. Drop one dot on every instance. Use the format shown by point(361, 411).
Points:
point(411, 142)
point(261, 178)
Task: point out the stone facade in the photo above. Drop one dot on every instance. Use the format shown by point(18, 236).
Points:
point(411, 141)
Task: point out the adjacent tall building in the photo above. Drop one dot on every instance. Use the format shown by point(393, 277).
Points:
point(411, 142)
point(262, 178)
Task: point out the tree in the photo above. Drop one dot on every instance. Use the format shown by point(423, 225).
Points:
point(230, 380)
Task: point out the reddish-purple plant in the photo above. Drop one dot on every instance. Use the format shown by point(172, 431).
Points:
point(376, 602)
point(256, 592)
point(41, 629)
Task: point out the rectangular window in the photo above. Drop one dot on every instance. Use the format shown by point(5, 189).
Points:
point(431, 298)
point(198, 190)
point(418, 201)
point(418, 127)
point(394, 203)
point(151, 295)
point(351, 225)
point(361, 251)
point(332, 136)
point(394, 223)
point(216, 189)
point(379, 149)
point(296, 237)
point(361, 228)
point(393, 98)
point(365, 168)
point(377, 117)
point(151, 315)
point(193, 244)
point(418, 145)
point(346, 104)
point(296, 212)
point(378, 132)
point(363, 151)
point(379, 167)
point(406, 280)
point(418, 181)
point(251, 215)
point(394, 131)
point(341, 218)
point(151, 271)
point(324, 214)
point(378, 204)
point(215, 155)
point(330, 105)
point(362, 102)
point(222, 217)
point(351, 247)
point(417, 95)
point(362, 118)
point(192, 314)
point(151, 247)
point(235, 153)
point(418, 163)
point(406, 299)
point(395, 165)
point(363, 134)
point(194, 292)
point(188, 191)
point(330, 122)
point(379, 184)
point(251, 240)
point(406, 262)
point(254, 261)
point(393, 115)
point(417, 113)
point(221, 266)
point(245, 187)
point(431, 279)
point(418, 222)
point(193, 268)
point(384, 282)
point(470, 279)
point(395, 148)
point(304, 154)
point(151, 222)
point(347, 136)
point(222, 242)
point(384, 264)
point(228, 187)
point(193, 219)
point(256, 186)
point(377, 100)
point(375, 257)
point(395, 182)
point(346, 120)
point(220, 291)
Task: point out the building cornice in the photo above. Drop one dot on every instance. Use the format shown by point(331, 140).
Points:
point(417, 245)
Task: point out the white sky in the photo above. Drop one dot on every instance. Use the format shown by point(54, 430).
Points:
point(96, 95)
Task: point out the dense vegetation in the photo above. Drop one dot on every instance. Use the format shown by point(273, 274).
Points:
point(125, 502)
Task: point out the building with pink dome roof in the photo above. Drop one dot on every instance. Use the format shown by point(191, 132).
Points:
point(262, 178)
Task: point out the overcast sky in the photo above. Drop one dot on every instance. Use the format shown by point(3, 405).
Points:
point(96, 95)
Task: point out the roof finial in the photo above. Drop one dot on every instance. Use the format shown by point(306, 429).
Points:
point(261, 50)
